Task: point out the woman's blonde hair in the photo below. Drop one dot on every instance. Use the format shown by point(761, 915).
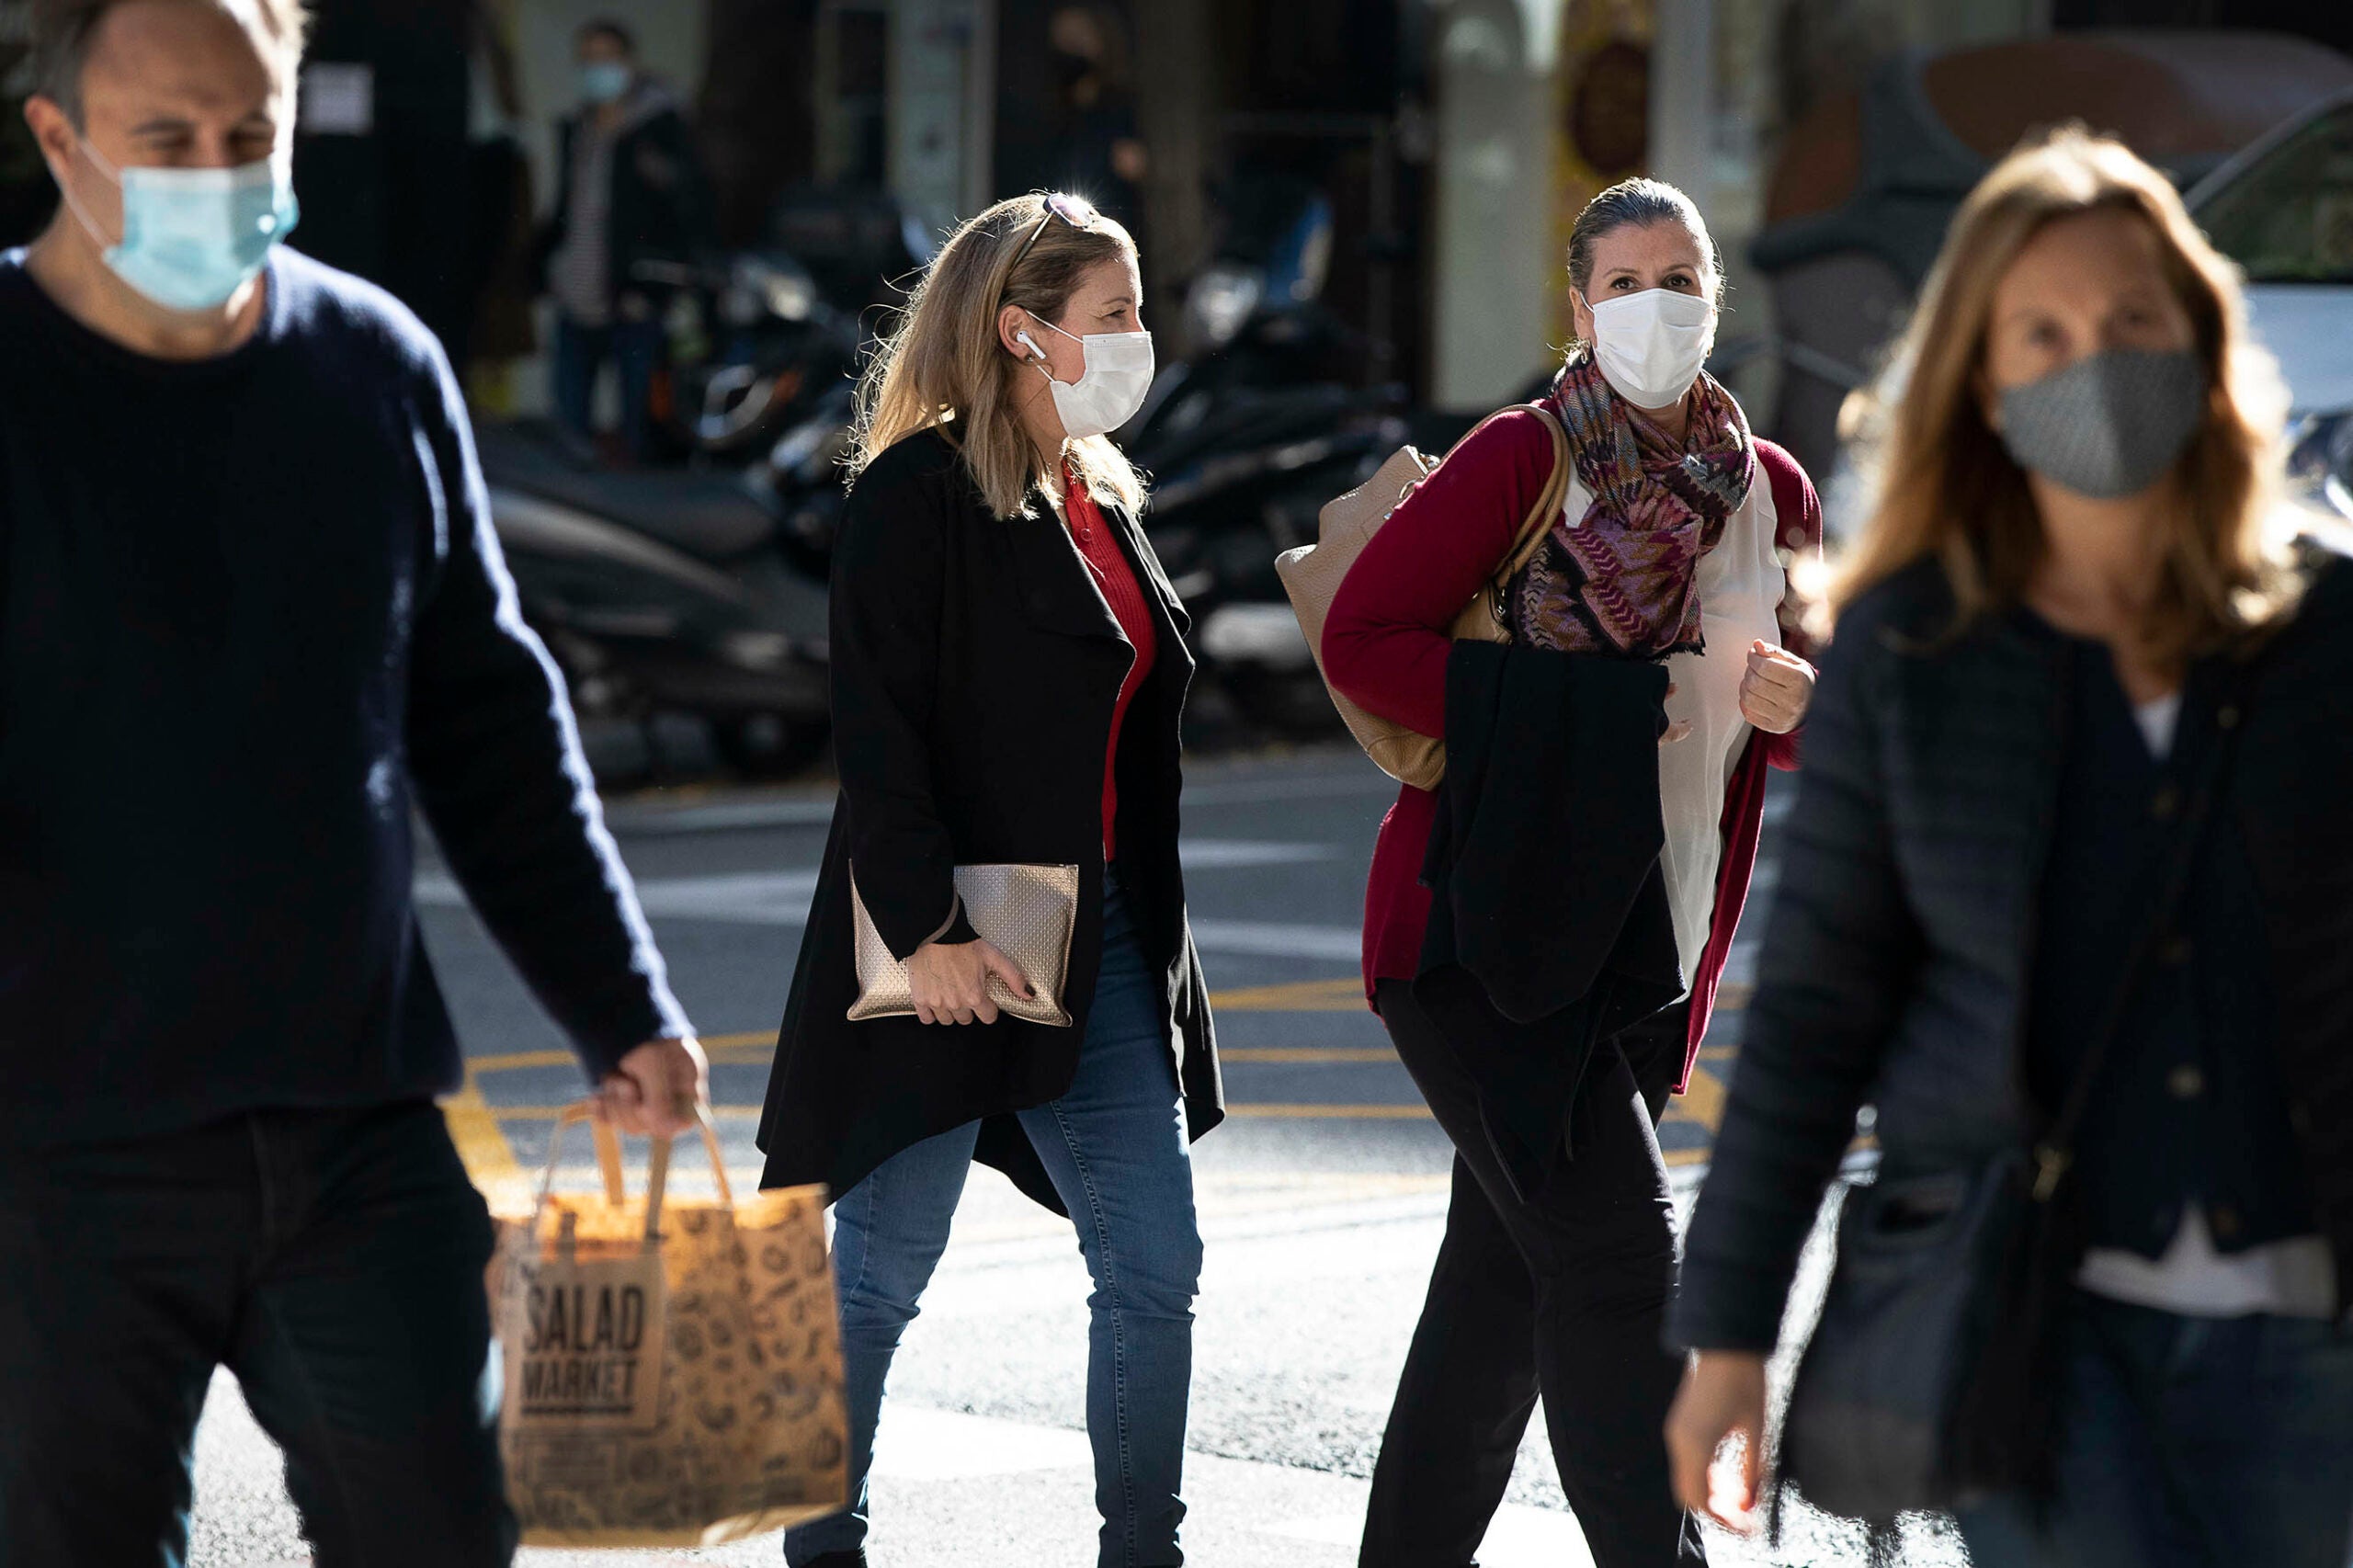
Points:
point(1947, 488)
point(943, 366)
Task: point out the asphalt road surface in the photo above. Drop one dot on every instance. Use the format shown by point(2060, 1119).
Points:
point(1321, 1196)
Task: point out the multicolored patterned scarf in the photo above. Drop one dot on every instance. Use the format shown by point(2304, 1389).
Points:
point(1622, 580)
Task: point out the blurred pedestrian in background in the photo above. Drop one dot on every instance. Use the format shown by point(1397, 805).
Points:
point(1095, 144)
point(2072, 870)
point(502, 234)
point(1559, 1249)
point(631, 205)
point(252, 615)
point(1009, 670)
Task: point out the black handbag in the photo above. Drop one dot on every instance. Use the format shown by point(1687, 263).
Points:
point(1928, 1382)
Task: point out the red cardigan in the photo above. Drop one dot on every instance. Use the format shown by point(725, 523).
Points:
point(1385, 646)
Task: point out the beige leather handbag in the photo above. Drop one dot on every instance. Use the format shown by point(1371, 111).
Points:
point(1025, 911)
point(1311, 576)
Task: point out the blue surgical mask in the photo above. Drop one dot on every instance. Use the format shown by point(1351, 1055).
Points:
point(605, 82)
point(191, 238)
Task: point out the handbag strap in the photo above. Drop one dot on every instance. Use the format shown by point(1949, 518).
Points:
point(2054, 1152)
point(1538, 521)
point(1529, 536)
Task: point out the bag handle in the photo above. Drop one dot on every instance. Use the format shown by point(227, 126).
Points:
point(1529, 536)
point(657, 1176)
point(1549, 503)
point(608, 1156)
point(2054, 1151)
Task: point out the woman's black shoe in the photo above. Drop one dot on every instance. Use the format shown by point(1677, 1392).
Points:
point(839, 1560)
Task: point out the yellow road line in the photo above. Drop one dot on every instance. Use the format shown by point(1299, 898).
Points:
point(515, 1059)
point(750, 1112)
point(1335, 1112)
point(734, 1045)
point(1702, 1101)
point(550, 1112)
point(1301, 996)
point(1297, 996)
point(473, 1128)
point(1315, 1055)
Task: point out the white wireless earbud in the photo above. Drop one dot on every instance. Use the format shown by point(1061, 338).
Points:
point(1022, 336)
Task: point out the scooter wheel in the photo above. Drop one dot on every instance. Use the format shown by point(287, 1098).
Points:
point(768, 745)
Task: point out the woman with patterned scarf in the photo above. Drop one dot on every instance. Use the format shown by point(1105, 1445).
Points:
point(1673, 548)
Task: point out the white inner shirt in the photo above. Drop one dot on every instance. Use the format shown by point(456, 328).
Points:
point(1740, 584)
point(2294, 1278)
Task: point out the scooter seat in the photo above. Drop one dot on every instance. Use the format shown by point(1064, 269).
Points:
point(708, 516)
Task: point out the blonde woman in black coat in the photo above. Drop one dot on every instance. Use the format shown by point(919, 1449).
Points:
point(1008, 669)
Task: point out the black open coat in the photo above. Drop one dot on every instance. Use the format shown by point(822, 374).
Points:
point(974, 670)
point(1897, 966)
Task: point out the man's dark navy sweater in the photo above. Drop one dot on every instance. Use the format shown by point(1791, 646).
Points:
point(251, 611)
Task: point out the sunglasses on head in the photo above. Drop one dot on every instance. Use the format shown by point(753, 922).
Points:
point(1069, 209)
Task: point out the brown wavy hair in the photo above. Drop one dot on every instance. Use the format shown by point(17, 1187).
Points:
point(1947, 488)
point(942, 365)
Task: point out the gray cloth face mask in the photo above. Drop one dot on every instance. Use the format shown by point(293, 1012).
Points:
point(2110, 425)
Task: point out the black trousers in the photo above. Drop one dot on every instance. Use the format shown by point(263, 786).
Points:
point(332, 1259)
point(1561, 1297)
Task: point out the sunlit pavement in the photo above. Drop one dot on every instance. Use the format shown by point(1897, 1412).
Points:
point(1322, 1198)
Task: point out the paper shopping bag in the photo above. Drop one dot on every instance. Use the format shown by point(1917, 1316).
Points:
point(673, 1369)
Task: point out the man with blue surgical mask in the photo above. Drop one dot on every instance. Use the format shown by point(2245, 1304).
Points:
point(631, 205)
point(253, 621)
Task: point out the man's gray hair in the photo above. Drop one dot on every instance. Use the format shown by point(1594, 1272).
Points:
point(63, 30)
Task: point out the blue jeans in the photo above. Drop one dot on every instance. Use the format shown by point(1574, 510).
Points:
point(1115, 1147)
point(2190, 1443)
point(635, 348)
point(333, 1259)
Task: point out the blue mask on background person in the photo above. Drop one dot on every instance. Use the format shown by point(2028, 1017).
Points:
point(191, 238)
point(605, 82)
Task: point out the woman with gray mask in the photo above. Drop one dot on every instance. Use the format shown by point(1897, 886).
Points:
point(2068, 899)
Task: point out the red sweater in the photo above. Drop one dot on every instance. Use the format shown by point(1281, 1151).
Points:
point(1385, 647)
point(1099, 547)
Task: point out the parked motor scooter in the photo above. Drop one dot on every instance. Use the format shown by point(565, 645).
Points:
point(1246, 441)
point(775, 345)
point(701, 589)
point(781, 399)
point(801, 481)
point(662, 592)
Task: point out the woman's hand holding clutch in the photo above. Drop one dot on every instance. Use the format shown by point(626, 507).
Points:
point(950, 981)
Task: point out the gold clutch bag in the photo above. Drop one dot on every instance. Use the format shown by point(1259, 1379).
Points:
point(1025, 911)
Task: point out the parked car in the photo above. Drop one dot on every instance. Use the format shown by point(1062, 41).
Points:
point(2283, 211)
point(1866, 181)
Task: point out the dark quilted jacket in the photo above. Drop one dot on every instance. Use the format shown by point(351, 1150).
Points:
point(1894, 970)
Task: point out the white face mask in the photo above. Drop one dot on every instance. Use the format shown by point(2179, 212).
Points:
point(1112, 387)
point(1650, 345)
